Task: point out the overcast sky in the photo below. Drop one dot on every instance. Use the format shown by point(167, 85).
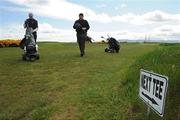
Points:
point(122, 19)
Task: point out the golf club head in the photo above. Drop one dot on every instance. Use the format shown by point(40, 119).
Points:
point(92, 39)
point(108, 35)
point(102, 37)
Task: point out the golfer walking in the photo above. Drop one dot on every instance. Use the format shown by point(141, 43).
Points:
point(81, 26)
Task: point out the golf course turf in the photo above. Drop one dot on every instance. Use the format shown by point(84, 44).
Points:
point(100, 86)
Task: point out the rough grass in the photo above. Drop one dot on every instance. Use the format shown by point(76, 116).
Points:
point(165, 61)
point(62, 86)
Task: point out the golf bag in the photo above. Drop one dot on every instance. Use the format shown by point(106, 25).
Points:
point(29, 46)
point(89, 39)
point(78, 26)
point(114, 46)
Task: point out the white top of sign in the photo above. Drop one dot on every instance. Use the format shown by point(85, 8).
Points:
point(152, 90)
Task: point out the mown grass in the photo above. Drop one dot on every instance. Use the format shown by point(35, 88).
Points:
point(62, 86)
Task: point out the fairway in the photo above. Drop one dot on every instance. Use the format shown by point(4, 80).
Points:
point(64, 86)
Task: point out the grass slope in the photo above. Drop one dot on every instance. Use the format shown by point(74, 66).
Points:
point(165, 61)
point(62, 86)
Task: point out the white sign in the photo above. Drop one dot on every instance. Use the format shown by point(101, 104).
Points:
point(152, 90)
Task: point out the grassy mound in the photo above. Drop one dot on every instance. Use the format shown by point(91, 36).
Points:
point(165, 61)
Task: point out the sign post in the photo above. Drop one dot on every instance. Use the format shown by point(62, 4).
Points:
point(148, 112)
point(152, 90)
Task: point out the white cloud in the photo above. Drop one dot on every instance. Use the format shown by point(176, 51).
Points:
point(167, 32)
point(62, 9)
point(123, 5)
point(59, 9)
point(13, 31)
point(101, 5)
point(156, 16)
point(51, 33)
point(48, 32)
point(169, 28)
point(116, 8)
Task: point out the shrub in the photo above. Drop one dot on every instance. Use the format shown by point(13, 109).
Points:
point(9, 43)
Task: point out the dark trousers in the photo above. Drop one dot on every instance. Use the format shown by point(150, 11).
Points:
point(81, 38)
point(35, 35)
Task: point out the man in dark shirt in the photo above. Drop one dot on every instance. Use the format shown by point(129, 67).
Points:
point(31, 22)
point(81, 26)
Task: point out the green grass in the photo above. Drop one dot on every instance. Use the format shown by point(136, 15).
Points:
point(100, 86)
point(165, 61)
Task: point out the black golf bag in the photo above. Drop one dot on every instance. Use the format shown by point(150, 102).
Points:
point(78, 26)
point(89, 39)
point(29, 46)
point(114, 45)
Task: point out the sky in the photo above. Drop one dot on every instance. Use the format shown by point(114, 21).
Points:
point(122, 19)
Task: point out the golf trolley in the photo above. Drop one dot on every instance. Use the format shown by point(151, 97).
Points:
point(114, 45)
point(29, 46)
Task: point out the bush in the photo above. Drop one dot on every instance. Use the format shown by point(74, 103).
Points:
point(13, 45)
point(1, 45)
point(9, 43)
